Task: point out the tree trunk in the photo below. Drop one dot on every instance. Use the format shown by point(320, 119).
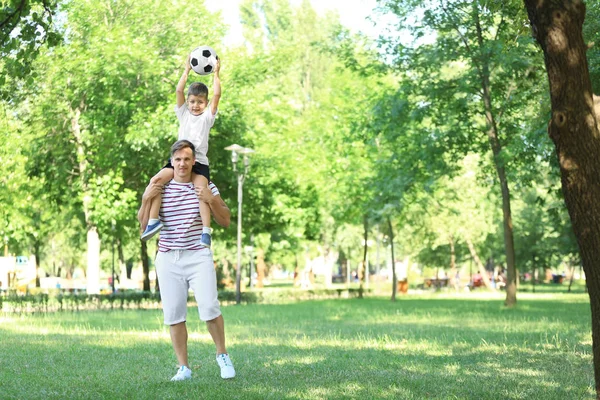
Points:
point(533, 273)
point(394, 276)
point(261, 267)
point(572, 271)
point(122, 266)
point(145, 265)
point(36, 252)
point(364, 268)
point(480, 266)
point(573, 127)
point(93, 240)
point(509, 246)
point(452, 277)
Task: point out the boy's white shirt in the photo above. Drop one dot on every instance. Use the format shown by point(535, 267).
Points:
point(196, 128)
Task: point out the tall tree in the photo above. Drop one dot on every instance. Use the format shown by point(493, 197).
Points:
point(309, 153)
point(468, 59)
point(102, 81)
point(573, 127)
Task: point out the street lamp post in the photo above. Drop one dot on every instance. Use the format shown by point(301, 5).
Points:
point(112, 274)
point(236, 151)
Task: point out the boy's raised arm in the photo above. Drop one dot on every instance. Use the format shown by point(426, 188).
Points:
point(181, 85)
point(214, 103)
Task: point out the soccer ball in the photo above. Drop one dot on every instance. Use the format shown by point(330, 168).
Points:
point(203, 60)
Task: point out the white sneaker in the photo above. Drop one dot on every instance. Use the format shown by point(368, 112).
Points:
point(227, 371)
point(182, 374)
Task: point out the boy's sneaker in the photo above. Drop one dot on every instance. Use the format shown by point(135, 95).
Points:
point(227, 371)
point(182, 374)
point(206, 239)
point(151, 230)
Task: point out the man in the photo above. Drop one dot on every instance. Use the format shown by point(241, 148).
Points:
point(183, 261)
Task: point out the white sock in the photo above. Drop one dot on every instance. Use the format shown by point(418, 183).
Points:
point(152, 221)
point(206, 229)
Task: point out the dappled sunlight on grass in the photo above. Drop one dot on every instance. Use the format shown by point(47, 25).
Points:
point(433, 347)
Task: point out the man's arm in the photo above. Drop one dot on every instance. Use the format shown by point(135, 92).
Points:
point(214, 103)
point(219, 209)
point(179, 91)
point(150, 193)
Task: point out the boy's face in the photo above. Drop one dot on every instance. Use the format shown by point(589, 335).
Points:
point(197, 104)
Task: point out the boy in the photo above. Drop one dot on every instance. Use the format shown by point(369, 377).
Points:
point(196, 117)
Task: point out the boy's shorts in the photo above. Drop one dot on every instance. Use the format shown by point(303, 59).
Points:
point(180, 270)
point(198, 169)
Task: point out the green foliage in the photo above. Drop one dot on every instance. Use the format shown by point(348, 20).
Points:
point(38, 301)
point(343, 128)
point(591, 34)
point(25, 27)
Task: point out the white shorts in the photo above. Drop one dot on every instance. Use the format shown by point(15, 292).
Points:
point(180, 270)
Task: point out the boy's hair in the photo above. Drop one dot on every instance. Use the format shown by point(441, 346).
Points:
point(198, 89)
point(182, 144)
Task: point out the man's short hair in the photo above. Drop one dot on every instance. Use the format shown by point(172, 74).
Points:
point(182, 144)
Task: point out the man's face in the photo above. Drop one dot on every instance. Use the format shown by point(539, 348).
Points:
point(197, 104)
point(183, 161)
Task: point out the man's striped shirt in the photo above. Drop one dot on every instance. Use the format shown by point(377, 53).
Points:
point(180, 214)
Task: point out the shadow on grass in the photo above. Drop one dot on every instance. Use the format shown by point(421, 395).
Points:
point(411, 349)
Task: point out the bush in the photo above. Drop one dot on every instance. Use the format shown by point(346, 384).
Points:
point(39, 301)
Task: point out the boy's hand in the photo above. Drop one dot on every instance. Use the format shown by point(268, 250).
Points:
point(188, 66)
point(218, 66)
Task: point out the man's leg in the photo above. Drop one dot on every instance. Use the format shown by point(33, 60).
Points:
point(216, 328)
point(203, 281)
point(179, 339)
point(173, 294)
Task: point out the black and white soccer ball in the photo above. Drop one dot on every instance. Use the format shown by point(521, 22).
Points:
point(203, 60)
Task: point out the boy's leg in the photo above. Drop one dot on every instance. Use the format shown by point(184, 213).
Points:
point(154, 224)
point(163, 177)
point(201, 181)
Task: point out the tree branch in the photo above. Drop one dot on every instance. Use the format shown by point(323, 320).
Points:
point(18, 10)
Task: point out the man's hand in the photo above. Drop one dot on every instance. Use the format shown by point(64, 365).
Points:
point(204, 194)
point(152, 190)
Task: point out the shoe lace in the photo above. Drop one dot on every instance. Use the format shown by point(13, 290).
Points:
point(226, 361)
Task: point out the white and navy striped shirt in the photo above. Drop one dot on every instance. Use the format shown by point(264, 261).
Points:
point(180, 214)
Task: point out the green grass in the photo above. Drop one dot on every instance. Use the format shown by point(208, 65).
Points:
point(435, 346)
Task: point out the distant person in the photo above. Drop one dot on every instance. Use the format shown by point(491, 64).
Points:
point(477, 280)
point(196, 116)
point(183, 261)
point(457, 281)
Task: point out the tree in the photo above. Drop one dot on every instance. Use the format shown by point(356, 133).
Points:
point(310, 154)
point(102, 99)
point(466, 73)
point(25, 26)
point(573, 127)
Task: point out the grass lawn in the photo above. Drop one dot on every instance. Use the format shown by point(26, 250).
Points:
point(464, 346)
